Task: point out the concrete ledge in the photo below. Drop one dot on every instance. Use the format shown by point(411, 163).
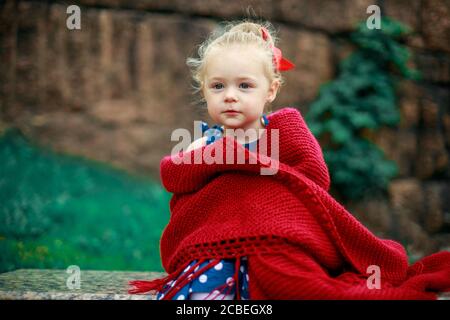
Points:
point(39, 284)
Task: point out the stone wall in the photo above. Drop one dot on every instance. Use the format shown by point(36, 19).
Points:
point(115, 90)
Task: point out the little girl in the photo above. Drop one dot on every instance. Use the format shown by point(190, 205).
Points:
point(238, 74)
point(237, 234)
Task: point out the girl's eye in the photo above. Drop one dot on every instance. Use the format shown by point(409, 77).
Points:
point(218, 86)
point(244, 85)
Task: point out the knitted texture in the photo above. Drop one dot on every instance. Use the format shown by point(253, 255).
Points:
point(300, 242)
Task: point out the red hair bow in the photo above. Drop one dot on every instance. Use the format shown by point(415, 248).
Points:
point(282, 64)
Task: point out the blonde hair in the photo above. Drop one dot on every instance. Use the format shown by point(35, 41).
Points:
point(241, 32)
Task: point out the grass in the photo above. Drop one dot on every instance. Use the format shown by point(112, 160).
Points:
point(58, 210)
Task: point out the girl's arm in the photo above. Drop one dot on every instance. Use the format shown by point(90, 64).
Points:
point(197, 144)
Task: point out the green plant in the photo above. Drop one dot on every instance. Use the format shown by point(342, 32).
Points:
point(358, 102)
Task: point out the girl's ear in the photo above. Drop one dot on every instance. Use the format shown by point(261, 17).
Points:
point(273, 90)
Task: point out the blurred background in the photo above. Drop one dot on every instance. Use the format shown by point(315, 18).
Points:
point(86, 116)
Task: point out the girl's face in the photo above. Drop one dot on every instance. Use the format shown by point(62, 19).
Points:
point(236, 88)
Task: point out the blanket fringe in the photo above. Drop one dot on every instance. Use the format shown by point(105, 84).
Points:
point(189, 276)
point(236, 277)
point(145, 286)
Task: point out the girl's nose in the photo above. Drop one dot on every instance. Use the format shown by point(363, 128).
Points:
point(230, 95)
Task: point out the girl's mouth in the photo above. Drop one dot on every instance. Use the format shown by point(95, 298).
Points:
point(232, 112)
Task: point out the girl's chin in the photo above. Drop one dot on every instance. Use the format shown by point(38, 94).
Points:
point(239, 124)
point(232, 123)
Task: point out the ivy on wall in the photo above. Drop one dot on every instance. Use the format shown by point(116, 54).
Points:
point(362, 99)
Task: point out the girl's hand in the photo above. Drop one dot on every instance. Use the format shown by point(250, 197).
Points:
point(197, 144)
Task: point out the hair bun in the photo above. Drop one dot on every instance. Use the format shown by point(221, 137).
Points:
point(253, 28)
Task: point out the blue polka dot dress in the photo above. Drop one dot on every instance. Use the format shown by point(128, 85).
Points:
point(216, 132)
point(216, 283)
point(220, 281)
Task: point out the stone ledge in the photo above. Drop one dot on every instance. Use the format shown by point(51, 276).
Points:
point(40, 284)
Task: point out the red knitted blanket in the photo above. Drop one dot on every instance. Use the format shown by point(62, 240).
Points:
point(300, 242)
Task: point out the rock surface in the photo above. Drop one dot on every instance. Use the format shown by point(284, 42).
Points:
point(44, 284)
